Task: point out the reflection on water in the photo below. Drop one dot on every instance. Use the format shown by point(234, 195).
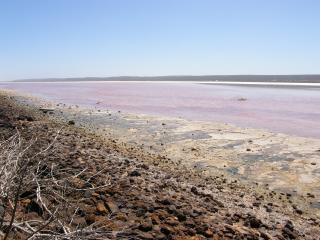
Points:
point(288, 110)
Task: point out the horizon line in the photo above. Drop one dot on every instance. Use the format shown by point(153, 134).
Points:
point(163, 76)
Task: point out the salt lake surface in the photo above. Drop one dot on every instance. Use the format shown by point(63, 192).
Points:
point(285, 109)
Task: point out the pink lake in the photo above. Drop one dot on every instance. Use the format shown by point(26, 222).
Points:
point(290, 110)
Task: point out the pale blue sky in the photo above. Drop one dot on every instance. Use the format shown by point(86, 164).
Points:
point(77, 38)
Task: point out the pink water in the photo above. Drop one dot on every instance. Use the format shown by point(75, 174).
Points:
point(294, 111)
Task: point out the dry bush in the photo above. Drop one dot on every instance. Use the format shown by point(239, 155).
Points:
point(29, 181)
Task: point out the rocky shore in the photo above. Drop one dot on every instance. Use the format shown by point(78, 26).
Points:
point(143, 195)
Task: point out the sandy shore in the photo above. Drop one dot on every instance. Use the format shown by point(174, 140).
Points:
point(172, 178)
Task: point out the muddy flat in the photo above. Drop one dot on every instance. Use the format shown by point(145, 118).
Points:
point(281, 162)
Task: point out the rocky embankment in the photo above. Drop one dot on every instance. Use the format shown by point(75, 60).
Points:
point(146, 196)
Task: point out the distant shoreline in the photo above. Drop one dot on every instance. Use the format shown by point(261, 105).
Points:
point(238, 83)
point(306, 78)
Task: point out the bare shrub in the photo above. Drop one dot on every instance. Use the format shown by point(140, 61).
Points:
point(30, 181)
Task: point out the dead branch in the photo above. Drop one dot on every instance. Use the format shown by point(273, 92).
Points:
point(20, 171)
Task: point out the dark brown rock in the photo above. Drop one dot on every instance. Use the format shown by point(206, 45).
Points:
point(135, 173)
point(90, 218)
point(101, 208)
point(25, 118)
point(146, 226)
point(194, 190)
point(71, 122)
point(166, 230)
point(112, 206)
point(253, 222)
point(79, 221)
point(33, 206)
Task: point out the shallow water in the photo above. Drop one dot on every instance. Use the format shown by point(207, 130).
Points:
point(294, 111)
